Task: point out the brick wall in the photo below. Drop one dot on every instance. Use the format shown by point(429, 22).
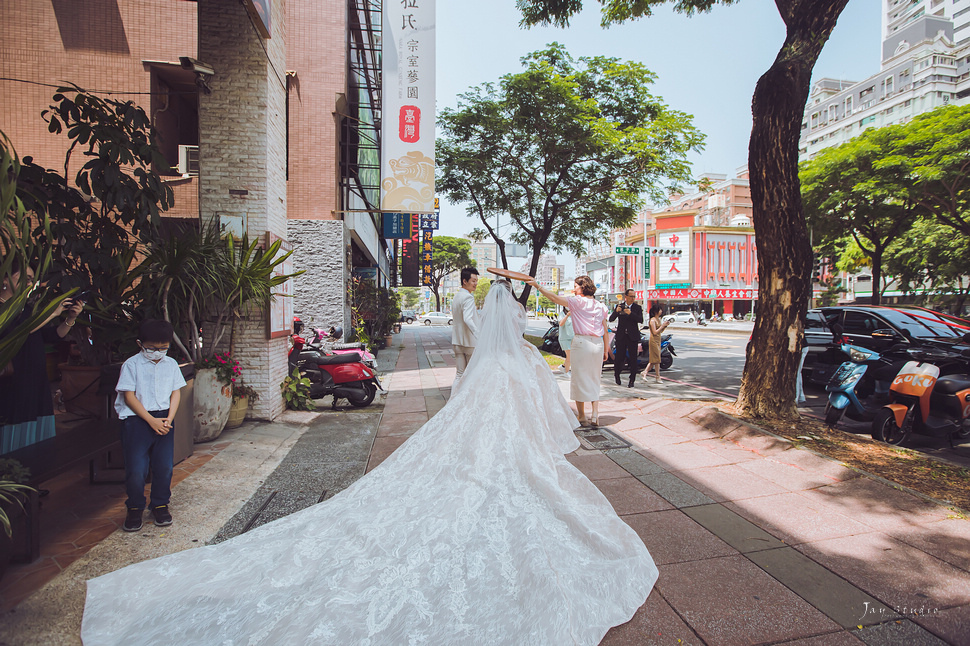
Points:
point(96, 44)
point(317, 54)
point(242, 150)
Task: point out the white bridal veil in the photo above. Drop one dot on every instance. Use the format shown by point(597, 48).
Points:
point(476, 530)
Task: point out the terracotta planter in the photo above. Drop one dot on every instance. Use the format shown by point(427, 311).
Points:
point(238, 412)
point(213, 400)
point(79, 390)
point(388, 341)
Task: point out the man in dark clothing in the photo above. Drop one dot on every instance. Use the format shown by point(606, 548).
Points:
point(630, 316)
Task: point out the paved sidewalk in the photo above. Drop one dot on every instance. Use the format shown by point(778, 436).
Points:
point(757, 542)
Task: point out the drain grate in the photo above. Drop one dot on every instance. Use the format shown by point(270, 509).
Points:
point(600, 439)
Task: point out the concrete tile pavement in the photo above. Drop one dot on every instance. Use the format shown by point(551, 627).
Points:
point(756, 541)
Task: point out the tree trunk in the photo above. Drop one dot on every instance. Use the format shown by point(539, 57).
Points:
point(784, 252)
point(877, 275)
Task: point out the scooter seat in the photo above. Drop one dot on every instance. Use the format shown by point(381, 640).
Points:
point(333, 359)
point(952, 384)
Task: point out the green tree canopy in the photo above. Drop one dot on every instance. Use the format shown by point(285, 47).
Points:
point(410, 296)
point(933, 150)
point(449, 255)
point(566, 149)
point(932, 263)
point(481, 291)
point(858, 189)
point(784, 252)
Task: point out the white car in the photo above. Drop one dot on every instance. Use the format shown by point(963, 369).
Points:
point(436, 318)
point(680, 317)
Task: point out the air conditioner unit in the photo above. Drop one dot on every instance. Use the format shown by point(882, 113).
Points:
point(188, 160)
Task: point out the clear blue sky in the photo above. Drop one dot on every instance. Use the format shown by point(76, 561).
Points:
point(706, 65)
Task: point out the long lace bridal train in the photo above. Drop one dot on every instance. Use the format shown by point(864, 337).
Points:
point(475, 531)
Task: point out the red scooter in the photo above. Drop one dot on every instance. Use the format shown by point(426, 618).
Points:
point(922, 402)
point(344, 376)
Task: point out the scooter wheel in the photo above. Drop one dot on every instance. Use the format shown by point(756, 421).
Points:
point(884, 428)
point(366, 396)
point(666, 361)
point(833, 415)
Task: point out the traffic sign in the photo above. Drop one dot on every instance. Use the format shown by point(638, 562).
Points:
point(628, 251)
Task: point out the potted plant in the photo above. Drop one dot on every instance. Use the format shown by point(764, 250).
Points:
point(242, 397)
point(296, 392)
point(214, 377)
point(205, 281)
point(100, 219)
point(13, 494)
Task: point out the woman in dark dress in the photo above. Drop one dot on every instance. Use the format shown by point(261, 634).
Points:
point(26, 406)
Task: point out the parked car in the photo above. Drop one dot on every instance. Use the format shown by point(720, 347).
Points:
point(877, 327)
point(680, 317)
point(408, 316)
point(436, 318)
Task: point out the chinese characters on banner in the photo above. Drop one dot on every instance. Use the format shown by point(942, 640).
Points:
point(427, 245)
point(701, 293)
point(674, 269)
point(411, 256)
point(408, 95)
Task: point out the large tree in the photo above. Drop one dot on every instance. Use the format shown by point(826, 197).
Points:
point(934, 150)
point(932, 263)
point(784, 252)
point(449, 255)
point(857, 188)
point(565, 150)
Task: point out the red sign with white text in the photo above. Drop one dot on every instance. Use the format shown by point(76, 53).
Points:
point(409, 123)
point(722, 294)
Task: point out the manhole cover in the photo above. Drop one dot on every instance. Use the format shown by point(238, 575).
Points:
point(600, 439)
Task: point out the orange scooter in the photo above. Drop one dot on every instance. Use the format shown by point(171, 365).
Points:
point(922, 402)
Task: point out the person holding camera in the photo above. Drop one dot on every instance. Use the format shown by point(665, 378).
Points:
point(26, 405)
point(630, 316)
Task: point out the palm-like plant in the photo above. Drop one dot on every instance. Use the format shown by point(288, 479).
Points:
point(20, 250)
point(206, 281)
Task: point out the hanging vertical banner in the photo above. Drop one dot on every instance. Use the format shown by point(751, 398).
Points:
point(408, 106)
point(427, 254)
point(411, 256)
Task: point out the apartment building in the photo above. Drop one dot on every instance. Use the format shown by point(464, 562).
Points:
point(925, 64)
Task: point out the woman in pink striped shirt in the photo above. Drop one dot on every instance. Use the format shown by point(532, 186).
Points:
point(589, 345)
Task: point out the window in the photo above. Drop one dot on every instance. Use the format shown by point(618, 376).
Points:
point(866, 92)
point(848, 105)
point(889, 85)
point(814, 120)
point(861, 323)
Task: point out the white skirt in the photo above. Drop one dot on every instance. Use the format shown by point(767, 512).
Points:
point(586, 366)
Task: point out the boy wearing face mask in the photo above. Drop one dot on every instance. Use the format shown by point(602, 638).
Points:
point(148, 397)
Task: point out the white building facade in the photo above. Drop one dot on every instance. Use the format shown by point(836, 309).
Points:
point(925, 65)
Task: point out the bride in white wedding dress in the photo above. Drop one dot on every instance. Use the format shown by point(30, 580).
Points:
point(475, 531)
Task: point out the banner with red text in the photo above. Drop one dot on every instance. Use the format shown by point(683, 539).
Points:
point(408, 106)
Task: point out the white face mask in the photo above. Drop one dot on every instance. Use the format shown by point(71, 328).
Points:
point(154, 355)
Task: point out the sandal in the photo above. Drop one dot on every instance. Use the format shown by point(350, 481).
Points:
point(595, 421)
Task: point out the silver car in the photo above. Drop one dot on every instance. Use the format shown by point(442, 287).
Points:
point(436, 318)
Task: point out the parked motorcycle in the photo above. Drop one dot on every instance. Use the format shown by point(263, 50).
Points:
point(550, 340)
point(860, 387)
point(344, 376)
point(922, 402)
point(332, 340)
point(667, 351)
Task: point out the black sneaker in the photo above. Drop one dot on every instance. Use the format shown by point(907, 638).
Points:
point(133, 520)
point(161, 515)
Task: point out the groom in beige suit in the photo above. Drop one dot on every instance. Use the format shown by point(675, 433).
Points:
point(464, 321)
